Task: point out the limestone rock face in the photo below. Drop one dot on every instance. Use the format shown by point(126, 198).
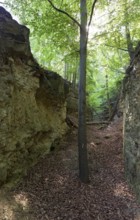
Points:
point(14, 37)
point(132, 124)
point(32, 102)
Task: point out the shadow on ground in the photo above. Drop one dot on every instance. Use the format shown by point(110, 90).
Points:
point(52, 190)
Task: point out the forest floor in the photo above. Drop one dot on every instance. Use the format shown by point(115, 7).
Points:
point(52, 190)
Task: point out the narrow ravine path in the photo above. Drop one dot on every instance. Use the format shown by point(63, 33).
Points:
point(52, 190)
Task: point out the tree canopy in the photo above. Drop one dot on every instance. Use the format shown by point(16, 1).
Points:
point(113, 35)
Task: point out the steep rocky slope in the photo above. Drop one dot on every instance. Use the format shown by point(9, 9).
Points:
point(32, 102)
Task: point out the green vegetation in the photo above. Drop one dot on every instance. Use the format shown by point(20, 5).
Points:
point(114, 33)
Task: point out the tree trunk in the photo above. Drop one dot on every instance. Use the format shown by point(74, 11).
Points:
point(108, 97)
point(82, 140)
point(65, 70)
point(129, 42)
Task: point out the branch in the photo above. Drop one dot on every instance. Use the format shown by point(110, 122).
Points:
point(64, 12)
point(91, 15)
point(116, 47)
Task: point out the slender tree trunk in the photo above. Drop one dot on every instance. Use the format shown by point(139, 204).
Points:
point(65, 69)
point(82, 141)
point(74, 74)
point(74, 79)
point(129, 42)
point(108, 97)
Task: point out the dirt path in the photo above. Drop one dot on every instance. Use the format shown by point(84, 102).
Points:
point(52, 190)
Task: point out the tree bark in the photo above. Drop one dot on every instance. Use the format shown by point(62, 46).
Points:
point(82, 139)
point(108, 97)
point(129, 42)
point(130, 47)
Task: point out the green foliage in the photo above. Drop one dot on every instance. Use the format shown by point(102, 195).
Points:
point(52, 34)
point(55, 40)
